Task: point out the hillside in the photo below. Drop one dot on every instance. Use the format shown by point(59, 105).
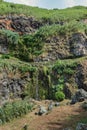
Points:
point(43, 55)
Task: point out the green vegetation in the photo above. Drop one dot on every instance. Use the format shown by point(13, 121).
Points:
point(66, 29)
point(50, 16)
point(65, 67)
point(41, 80)
point(10, 37)
point(83, 120)
point(58, 89)
point(62, 72)
point(13, 110)
point(5, 56)
point(55, 23)
point(23, 47)
point(59, 96)
point(15, 64)
point(27, 47)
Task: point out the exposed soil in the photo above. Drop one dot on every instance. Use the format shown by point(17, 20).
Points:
point(64, 116)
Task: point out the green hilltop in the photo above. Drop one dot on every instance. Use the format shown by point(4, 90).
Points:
point(78, 12)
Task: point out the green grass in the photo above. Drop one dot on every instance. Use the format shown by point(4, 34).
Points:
point(54, 15)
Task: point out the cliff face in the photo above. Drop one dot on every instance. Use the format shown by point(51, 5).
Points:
point(12, 82)
point(20, 82)
point(54, 48)
point(61, 65)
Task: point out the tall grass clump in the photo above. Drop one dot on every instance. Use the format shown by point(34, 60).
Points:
point(13, 110)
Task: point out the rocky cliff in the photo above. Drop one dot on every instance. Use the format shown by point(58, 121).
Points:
point(42, 56)
point(20, 24)
point(40, 81)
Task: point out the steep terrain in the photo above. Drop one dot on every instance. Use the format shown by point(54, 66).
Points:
point(43, 54)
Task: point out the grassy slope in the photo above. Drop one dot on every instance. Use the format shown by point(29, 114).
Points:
point(54, 15)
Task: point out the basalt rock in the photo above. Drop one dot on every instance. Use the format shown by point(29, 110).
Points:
point(78, 44)
point(20, 24)
point(11, 87)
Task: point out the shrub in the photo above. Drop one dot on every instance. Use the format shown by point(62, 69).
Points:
point(28, 47)
point(59, 96)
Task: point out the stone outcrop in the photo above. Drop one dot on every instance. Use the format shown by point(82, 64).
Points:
point(20, 24)
point(78, 44)
point(11, 85)
point(79, 96)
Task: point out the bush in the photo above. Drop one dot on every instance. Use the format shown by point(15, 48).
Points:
point(28, 47)
point(59, 96)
